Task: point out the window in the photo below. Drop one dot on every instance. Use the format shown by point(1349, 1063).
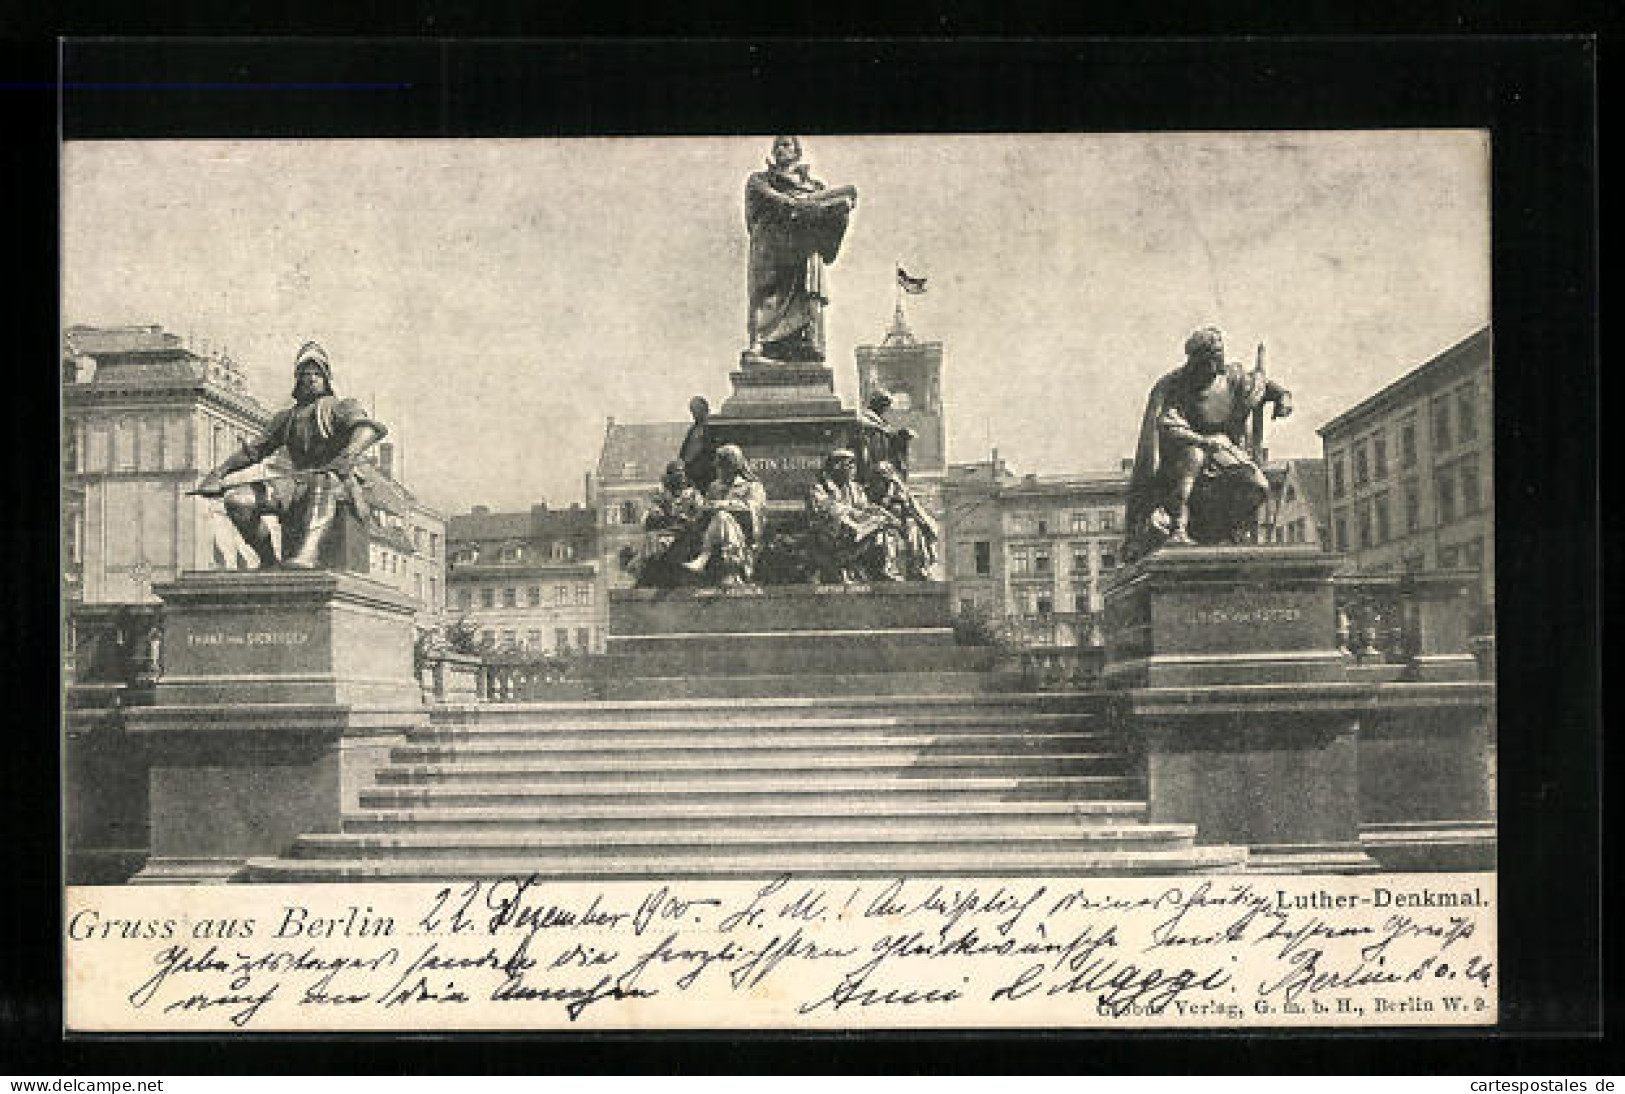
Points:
point(1108, 520)
point(1043, 526)
point(1289, 493)
point(1045, 605)
point(533, 596)
point(509, 639)
point(583, 639)
point(417, 585)
point(984, 557)
point(1447, 558)
point(1441, 424)
point(562, 551)
point(1413, 507)
point(1379, 457)
point(465, 598)
point(1021, 560)
point(1365, 525)
point(510, 597)
point(533, 640)
point(1080, 522)
point(1337, 476)
point(1473, 553)
point(70, 447)
point(124, 445)
point(1471, 497)
point(1108, 560)
point(434, 591)
point(1362, 470)
point(966, 605)
point(583, 593)
point(1381, 507)
point(1466, 413)
point(561, 639)
point(510, 554)
point(488, 638)
point(629, 512)
point(488, 598)
point(1446, 486)
point(1041, 560)
point(1080, 560)
point(1080, 602)
point(561, 594)
point(1340, 532)
point(1407, 443)
point(1412, 563)
point(434, 544)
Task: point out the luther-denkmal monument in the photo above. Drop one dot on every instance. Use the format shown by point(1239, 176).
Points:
point(784, 692)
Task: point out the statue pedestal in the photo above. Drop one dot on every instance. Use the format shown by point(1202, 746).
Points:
point(765, 388)
point(1427, 756)
point(281, 693)
point(785, 630)
point(1227, 675)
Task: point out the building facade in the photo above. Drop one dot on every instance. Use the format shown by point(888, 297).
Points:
point(634, 457)
point(143, 418)
point(1034, 550)
point(528, 581)
point(1296, 511)
point(408, 549)
point(1409, 471)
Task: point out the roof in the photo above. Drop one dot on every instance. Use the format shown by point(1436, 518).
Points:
point(1470, 351)
point(1311, 476)
point(539, 522)
point(93, 341)
point(639, 450)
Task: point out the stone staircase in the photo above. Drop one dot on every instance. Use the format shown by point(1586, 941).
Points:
point(947, 784)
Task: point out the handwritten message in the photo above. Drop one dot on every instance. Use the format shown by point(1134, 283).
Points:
point(522, 953)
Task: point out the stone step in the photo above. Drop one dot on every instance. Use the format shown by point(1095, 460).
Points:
point(841, 862)
point(722, 747)
point(857, 836)
point(929, 649)
point(761, 764)
point(761, 816)
point(836, 792)
point(770, 709)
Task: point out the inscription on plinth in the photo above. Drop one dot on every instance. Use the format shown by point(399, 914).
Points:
point(1222, 616)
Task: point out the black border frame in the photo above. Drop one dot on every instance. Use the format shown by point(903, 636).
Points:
point(1535, 95)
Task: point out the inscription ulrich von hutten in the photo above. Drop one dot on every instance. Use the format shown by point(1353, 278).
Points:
point(517, 952)
point(249, 638)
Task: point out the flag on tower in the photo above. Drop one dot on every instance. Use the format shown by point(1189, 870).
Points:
point(911, 285)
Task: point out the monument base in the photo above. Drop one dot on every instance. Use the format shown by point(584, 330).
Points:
point(786, 630)
point(1427, 755)
point(1228, 676)
point(282, 693)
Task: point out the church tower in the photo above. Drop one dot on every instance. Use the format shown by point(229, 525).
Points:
point(911, 372)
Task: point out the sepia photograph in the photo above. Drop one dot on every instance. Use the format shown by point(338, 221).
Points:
point(779, 581)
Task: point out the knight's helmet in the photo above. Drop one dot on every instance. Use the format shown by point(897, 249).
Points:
point(313, 354)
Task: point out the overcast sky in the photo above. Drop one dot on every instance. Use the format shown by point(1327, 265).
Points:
point(497, 299)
